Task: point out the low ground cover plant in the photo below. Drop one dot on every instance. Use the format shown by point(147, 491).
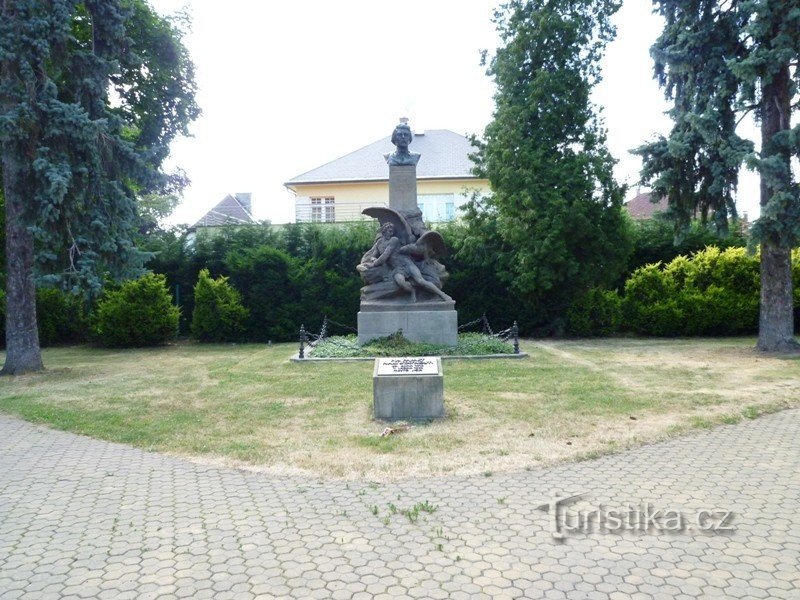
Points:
point(469, 344)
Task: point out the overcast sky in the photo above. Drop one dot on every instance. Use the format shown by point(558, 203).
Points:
point(288, 86)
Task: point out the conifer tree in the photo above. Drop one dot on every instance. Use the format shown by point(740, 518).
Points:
point(719, 60)
point(91, 94)
point(556, 200)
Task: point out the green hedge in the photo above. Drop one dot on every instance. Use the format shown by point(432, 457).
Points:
point(61, 317)
point(596, 313)
point(713, 292)
point(138, 313)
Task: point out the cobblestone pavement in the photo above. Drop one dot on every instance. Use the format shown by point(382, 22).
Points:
point(90, 519)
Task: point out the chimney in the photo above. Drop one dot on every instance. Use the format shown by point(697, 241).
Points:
point(245, 199)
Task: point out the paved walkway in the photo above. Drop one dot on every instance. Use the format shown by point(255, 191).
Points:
point(84, 518)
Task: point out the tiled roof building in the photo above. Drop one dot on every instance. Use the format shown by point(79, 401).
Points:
point(231, 210)
point(642, 206)
point(340, 189)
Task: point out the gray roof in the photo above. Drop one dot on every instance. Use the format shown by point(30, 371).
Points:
point(445, 155)
point(231, 210)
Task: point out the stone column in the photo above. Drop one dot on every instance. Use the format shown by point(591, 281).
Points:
point(403, 187)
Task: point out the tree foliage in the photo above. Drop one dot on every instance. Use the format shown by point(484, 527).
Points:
point(717, 60)
point(697, 167)
point(113, 85)
point(558, 207)
point(91, 94)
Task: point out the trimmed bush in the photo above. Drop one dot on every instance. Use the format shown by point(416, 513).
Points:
point(139, 313)
point(654, 241)
point(218, 314)
point(61, 317)
point(714, 292)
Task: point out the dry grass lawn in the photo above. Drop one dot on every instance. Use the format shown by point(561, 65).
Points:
point(248, 406)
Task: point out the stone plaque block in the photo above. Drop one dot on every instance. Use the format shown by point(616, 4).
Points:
point(408, 388)
point(403, 187)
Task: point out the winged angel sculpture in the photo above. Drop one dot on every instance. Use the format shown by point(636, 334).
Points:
point(401, 263)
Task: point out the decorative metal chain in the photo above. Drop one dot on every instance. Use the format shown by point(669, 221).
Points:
point(487, 329)
point(342, 325)
point(470, 324)
point(510, 335)
point(311, 340)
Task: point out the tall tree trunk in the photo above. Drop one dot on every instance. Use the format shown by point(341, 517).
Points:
point(776, 319)
point(22, 336)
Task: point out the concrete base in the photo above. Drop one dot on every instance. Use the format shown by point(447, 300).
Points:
point(431, 326)
point(408, 397)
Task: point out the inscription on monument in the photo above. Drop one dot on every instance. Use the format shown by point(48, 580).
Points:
point(408, 366)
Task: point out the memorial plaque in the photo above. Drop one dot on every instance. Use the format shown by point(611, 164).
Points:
point(425, 365)
point(408, 388)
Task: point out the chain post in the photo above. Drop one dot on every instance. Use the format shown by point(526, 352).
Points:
point(515, 333)
point(301, 354)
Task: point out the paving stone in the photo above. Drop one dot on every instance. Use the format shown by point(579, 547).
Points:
point(81, 518)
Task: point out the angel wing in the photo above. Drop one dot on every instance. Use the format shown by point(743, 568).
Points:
point(433, 242)
point(429, 244)
point(385, 214)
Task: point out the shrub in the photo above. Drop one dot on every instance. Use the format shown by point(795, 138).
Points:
point(654, 241)
point(139, 313)
point(733, 269)
point(714, 292)
point(61, 317)
point(218, 314)
point(717, 311)
point(597, 313)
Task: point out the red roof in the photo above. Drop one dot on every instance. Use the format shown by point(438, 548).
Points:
point(642, 207)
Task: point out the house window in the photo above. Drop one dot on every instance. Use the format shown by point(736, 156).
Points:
point(437, 208)
point(323, 210)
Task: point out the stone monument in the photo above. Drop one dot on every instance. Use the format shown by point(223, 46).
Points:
point(408, 388)
point(403, 280)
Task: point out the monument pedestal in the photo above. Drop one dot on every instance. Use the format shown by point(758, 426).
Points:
point(408, 388)
point(404, 255)
point(429, 322)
